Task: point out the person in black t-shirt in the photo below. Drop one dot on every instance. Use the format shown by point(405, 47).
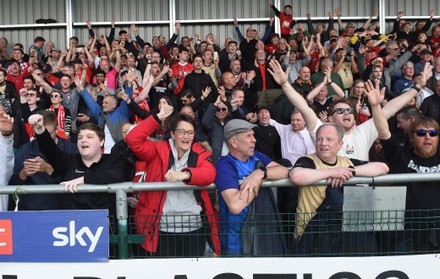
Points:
point(422, 216)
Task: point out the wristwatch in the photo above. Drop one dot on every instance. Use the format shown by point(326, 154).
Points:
point(264, 170)
point(416, 88)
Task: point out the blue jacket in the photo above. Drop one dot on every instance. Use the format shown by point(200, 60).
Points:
point(114, 119)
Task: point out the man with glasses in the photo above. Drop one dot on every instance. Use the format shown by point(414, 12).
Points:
point(357, 139)
point(29, 104)
point(31, 168)
point(404, 81)
point(422, 198)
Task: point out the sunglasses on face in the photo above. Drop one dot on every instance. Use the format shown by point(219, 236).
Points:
point(221, 109)
point(343, 110)
point(31, 95)
point(423, 132)
point(54, 96)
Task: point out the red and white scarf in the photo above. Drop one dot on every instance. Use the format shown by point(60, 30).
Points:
point(61, 116)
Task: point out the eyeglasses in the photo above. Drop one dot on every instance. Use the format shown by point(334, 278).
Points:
point(222, 109)
point(54, 96)
point(343, 110)
point(423, 132)
point(182, 132)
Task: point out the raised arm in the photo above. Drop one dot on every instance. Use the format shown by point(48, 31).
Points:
point(107, 44)
point(143, 95)
point(367, 23)
point(90, 57)
point(60, 62)
point(310, 24)
point(118, 61)
point(338, 12)
point(38, 79)
point(89, 27)
point(92, 48)
point(399, 102)
point(294, 97)
point(338, 90)
point(239, 34)
point(375, 97)
point(137, 137)
point(59, 160)
point(312, 94)
point(165, 70)
point(275, 10)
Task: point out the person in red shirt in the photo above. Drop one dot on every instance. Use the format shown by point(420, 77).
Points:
point(286, 19)
point(180, 70)
point(16, 75)
point(272, 46)
point(434, 40)
point(48, 76)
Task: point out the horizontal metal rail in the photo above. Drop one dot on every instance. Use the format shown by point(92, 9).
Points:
point(121, 190)
point(130, 187)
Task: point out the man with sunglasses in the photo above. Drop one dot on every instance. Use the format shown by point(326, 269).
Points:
point(63, 113)
point(422, 198)
point(29, 105)
point(357, 139)
point(213, 122)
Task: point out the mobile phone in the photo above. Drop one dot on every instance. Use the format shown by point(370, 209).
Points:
point(216, 55)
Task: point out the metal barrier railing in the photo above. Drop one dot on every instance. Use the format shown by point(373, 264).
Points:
point(123, 239)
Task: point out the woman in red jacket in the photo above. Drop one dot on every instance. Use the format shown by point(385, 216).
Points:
point(174, 222)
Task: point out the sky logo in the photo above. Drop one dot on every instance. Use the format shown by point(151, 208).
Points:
point(63, 236)
point(6, 246)
point(69, 236)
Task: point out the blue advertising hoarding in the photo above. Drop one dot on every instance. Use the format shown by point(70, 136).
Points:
point(54, 236)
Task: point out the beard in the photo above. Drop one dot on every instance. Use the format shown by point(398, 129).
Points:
point(425, 153)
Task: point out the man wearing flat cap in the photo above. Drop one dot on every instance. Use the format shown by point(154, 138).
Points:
point(235, 199)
